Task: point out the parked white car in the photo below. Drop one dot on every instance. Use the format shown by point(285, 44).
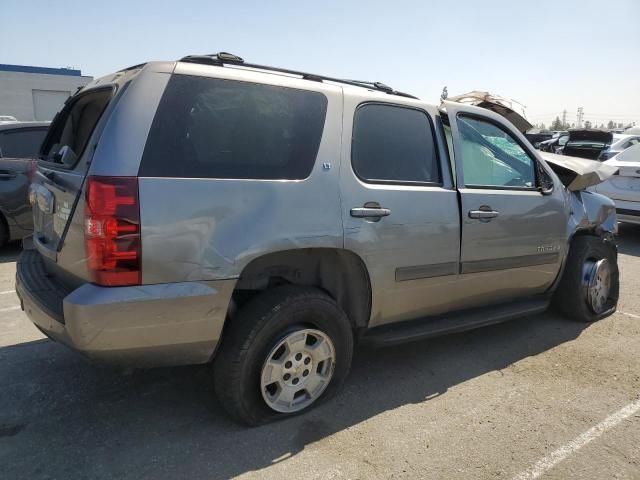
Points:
point(624, 187)
point(619, 143)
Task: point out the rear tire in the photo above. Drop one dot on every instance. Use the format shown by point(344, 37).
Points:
point(589, 287)
point(282, 327)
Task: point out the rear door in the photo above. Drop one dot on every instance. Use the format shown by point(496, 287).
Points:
point(399, 207)
point(513, 229)
point(64, 159)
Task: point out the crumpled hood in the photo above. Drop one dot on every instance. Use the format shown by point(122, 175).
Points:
point(578, 173)
point(495, 103)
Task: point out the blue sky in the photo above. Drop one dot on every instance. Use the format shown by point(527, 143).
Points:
point(549, 55)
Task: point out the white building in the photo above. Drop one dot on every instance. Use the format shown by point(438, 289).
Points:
point(36, 93)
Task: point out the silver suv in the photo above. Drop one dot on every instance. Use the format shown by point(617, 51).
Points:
point(262, 219)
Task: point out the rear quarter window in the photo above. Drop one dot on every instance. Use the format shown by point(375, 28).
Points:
point(214, 128)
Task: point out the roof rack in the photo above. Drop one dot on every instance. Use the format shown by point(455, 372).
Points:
point(223, 58)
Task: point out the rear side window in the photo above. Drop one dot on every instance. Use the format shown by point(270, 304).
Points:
point(213, 128)
point(393, 144)
point(23, 143)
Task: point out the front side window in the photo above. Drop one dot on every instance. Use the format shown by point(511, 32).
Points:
point(492, 157)
point(214, 128)
point(23, 143)
point(393, 144)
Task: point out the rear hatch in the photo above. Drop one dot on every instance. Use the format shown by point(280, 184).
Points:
point(60, 172)
point(587, 143)
point(65, 156)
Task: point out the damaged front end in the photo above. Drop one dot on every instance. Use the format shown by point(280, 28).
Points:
point(592, 212)
point(589, 211)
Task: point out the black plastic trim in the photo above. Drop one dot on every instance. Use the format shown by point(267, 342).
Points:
point(478, 266)
point(426, 271)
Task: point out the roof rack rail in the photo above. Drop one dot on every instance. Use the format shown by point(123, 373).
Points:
point(222, 58)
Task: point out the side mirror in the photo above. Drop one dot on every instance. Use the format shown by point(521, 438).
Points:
point(545, 182)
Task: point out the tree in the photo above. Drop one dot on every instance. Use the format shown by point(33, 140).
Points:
point(611, 125)
point(587, 124)
point(556, 124)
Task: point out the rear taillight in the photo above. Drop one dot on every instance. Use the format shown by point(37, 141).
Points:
point(112, 230)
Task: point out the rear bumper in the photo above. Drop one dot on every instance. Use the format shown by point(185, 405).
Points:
point(140, 326)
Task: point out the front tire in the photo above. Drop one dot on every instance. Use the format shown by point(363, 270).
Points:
point(284, 352)
point(590, 285)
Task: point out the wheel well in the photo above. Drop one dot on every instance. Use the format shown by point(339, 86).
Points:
point(340, 273)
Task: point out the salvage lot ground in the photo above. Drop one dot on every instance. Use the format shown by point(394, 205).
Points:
point(484, 404)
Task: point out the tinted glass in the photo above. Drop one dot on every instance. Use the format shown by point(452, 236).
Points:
point(492, 157)
point(394, 144)
point(24, 143)
point(212, 128)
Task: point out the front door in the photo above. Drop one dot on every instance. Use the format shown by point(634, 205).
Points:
point(513, 230)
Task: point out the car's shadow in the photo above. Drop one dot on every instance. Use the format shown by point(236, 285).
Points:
point(10, 252)
point(62, 417)
point(629, 239)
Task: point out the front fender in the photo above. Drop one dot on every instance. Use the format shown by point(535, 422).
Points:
point(592, 212)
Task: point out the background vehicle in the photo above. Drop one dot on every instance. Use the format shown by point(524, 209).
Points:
point(214, 209)
point(553, 144)
point(537, 136)
point(624, 187)
point(619, 142)
point(19, 145)
point(587, 143)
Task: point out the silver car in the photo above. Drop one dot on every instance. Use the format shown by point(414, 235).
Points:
point(212, 210)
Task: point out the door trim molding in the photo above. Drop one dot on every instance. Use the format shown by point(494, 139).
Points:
point(417, 272)
point(478, 266)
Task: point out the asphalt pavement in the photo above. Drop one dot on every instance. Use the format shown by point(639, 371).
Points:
point(539, 397)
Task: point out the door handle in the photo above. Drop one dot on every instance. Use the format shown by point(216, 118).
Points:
point(483, 214)
point(370, 212)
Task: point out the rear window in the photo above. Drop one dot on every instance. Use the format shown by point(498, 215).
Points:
point(73, 126)
point(23, 143)
point(213, 128)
